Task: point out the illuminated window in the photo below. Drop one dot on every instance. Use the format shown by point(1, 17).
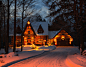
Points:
point(29, 27)
point(62, 37)
point(28, 32)
point(29, 37)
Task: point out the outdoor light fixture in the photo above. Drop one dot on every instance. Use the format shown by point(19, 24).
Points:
point(62, 37)
point(28, 22)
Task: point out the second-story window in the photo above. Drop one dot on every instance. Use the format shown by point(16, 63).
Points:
point(28, 32)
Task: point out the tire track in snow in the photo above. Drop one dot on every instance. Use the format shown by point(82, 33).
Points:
point(53, 58)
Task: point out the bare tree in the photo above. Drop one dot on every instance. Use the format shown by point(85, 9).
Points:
point(22, 25)
point(7, 42)
point(73, 12)
point(79, 16)
point(23, 17)
point(0, 21)
point(14, 47)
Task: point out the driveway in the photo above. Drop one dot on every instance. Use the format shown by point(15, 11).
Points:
point(55, 58)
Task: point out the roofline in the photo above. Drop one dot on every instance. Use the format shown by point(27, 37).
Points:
point(31, 28)
point(60, 31)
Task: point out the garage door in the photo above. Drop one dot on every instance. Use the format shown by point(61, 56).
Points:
point(63, 42)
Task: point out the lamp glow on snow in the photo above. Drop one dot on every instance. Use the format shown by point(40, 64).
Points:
point(37, 48)
point(33, 46)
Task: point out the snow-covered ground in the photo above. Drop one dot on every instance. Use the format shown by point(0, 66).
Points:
point(60, 57)
point(27, 52)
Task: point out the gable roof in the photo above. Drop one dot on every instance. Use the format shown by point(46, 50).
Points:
point(31, 28)
point(61, 30)
point(44, 25)
point(40, 29)
point(52, 34)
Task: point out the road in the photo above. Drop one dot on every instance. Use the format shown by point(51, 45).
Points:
point(55, 58)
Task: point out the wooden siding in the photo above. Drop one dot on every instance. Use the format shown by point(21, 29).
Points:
point(41, 40)
point(63, 39)
point(18, 41)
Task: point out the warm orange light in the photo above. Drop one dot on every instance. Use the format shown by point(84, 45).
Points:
point(25, 43)
point(55, 43)
point(32, 37)
point(71, 39)
point(29, 27)
point(24, 37)
point(70, 42)
point(55, 39)
point(25, 40)
point(44, 40)
point(57, 35)
point(62, 37)
point(28, 22)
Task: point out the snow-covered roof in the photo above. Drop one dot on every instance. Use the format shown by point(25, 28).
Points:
point(13, 34)
point(44, 25)
point(52, 33)
point(35, 26)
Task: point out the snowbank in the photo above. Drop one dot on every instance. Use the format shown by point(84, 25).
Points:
point(76, 60)
point(27, 52)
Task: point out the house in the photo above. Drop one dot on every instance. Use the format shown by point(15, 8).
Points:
point(37, 33)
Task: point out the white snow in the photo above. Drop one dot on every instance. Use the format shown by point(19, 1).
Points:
point(76, 60)
point(56, 58)
point(27, 52)
point(44, 25)
point(52, 33)
point(65, 56)
point(13, 34)
point(11, 54)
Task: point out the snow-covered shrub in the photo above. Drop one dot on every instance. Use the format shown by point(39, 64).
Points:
point(2, 61)
point(16, 55)
point(11, 54)
point(2, 55)
point(49, 44)
point(17, 50)
point(75, 54)
point(84, 53)
point(33, 46)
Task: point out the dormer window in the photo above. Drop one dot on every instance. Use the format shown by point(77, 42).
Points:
point(40, 30)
